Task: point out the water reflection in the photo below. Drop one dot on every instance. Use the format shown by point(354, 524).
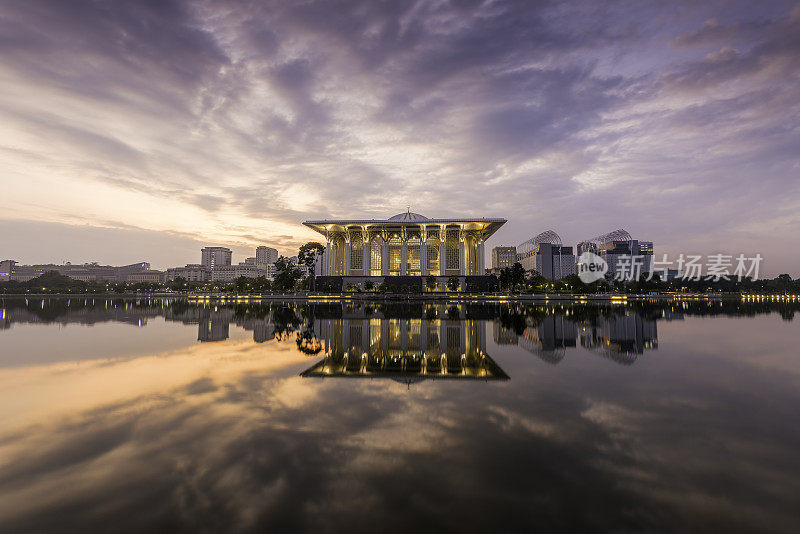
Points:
point(227, 436)
point(405, 349)
point(620, 337)
point(548, 330)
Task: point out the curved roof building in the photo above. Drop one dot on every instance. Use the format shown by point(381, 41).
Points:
point(406, 244)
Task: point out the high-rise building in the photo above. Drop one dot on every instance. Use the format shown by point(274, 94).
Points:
point(546, 255)
point(266, 255)
point(621, 252)
point(503, 257)
point(6, 267)
point(213, 257)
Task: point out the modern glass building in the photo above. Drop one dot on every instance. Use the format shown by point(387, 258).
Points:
point(617, 247)
point(408, 244)
point(547, 255)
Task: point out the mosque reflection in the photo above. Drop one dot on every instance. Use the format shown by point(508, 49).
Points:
point(408, 349)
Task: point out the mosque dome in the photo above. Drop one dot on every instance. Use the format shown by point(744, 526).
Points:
point(408, 216)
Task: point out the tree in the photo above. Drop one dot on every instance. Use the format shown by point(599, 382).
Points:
point(179, 284)
point(505, 278)
point(430, 282)
point(783, 282)
point(452, 283)
point(536, 281)
point(517, 275)
point(369, 285)
point(308, 255)
point(307, 342)
point(286, 274)
point(242, 284)
point(261, 284)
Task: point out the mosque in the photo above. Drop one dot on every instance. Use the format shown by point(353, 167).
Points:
point(407, 245)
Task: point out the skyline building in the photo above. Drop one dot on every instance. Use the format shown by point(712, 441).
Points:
point(503, 258)
point(266, 255)
point(546, 255)
point(213, 257)
point(620, 251)
point(6, 268)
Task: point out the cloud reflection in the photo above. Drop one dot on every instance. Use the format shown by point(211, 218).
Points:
point(228, 436)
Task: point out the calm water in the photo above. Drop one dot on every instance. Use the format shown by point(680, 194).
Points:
point(177, 417)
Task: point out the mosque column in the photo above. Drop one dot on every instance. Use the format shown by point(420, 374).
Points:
point(365, 248)
point(461, 256)
point(481, 261)
point(404, 254)
point(347, 256)
point(326, 263)
point(442, 251)
point(384, 257)
point(423, 255)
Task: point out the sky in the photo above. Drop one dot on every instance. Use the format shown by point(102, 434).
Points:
point(142, 131)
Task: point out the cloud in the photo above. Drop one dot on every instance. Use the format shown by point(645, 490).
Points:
point(246, 118)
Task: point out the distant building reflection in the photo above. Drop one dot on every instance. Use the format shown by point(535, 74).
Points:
point(621, 336)
point(550, 338)
point(408, 350)
point(213, 322)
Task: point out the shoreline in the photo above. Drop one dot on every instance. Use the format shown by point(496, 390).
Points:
point(437, 296)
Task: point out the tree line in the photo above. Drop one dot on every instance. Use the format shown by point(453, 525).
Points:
point(288, 278)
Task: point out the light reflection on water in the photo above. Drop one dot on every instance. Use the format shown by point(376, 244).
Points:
point(163, 415)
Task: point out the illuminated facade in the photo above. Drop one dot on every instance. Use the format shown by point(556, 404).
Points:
point(407, 244)
point(405, 349)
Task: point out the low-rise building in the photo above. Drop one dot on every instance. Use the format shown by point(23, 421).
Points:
point(192, 272)
point(230, 273)
point(151, 277)
point(86, 272)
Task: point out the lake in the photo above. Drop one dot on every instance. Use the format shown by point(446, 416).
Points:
point(166, 415)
